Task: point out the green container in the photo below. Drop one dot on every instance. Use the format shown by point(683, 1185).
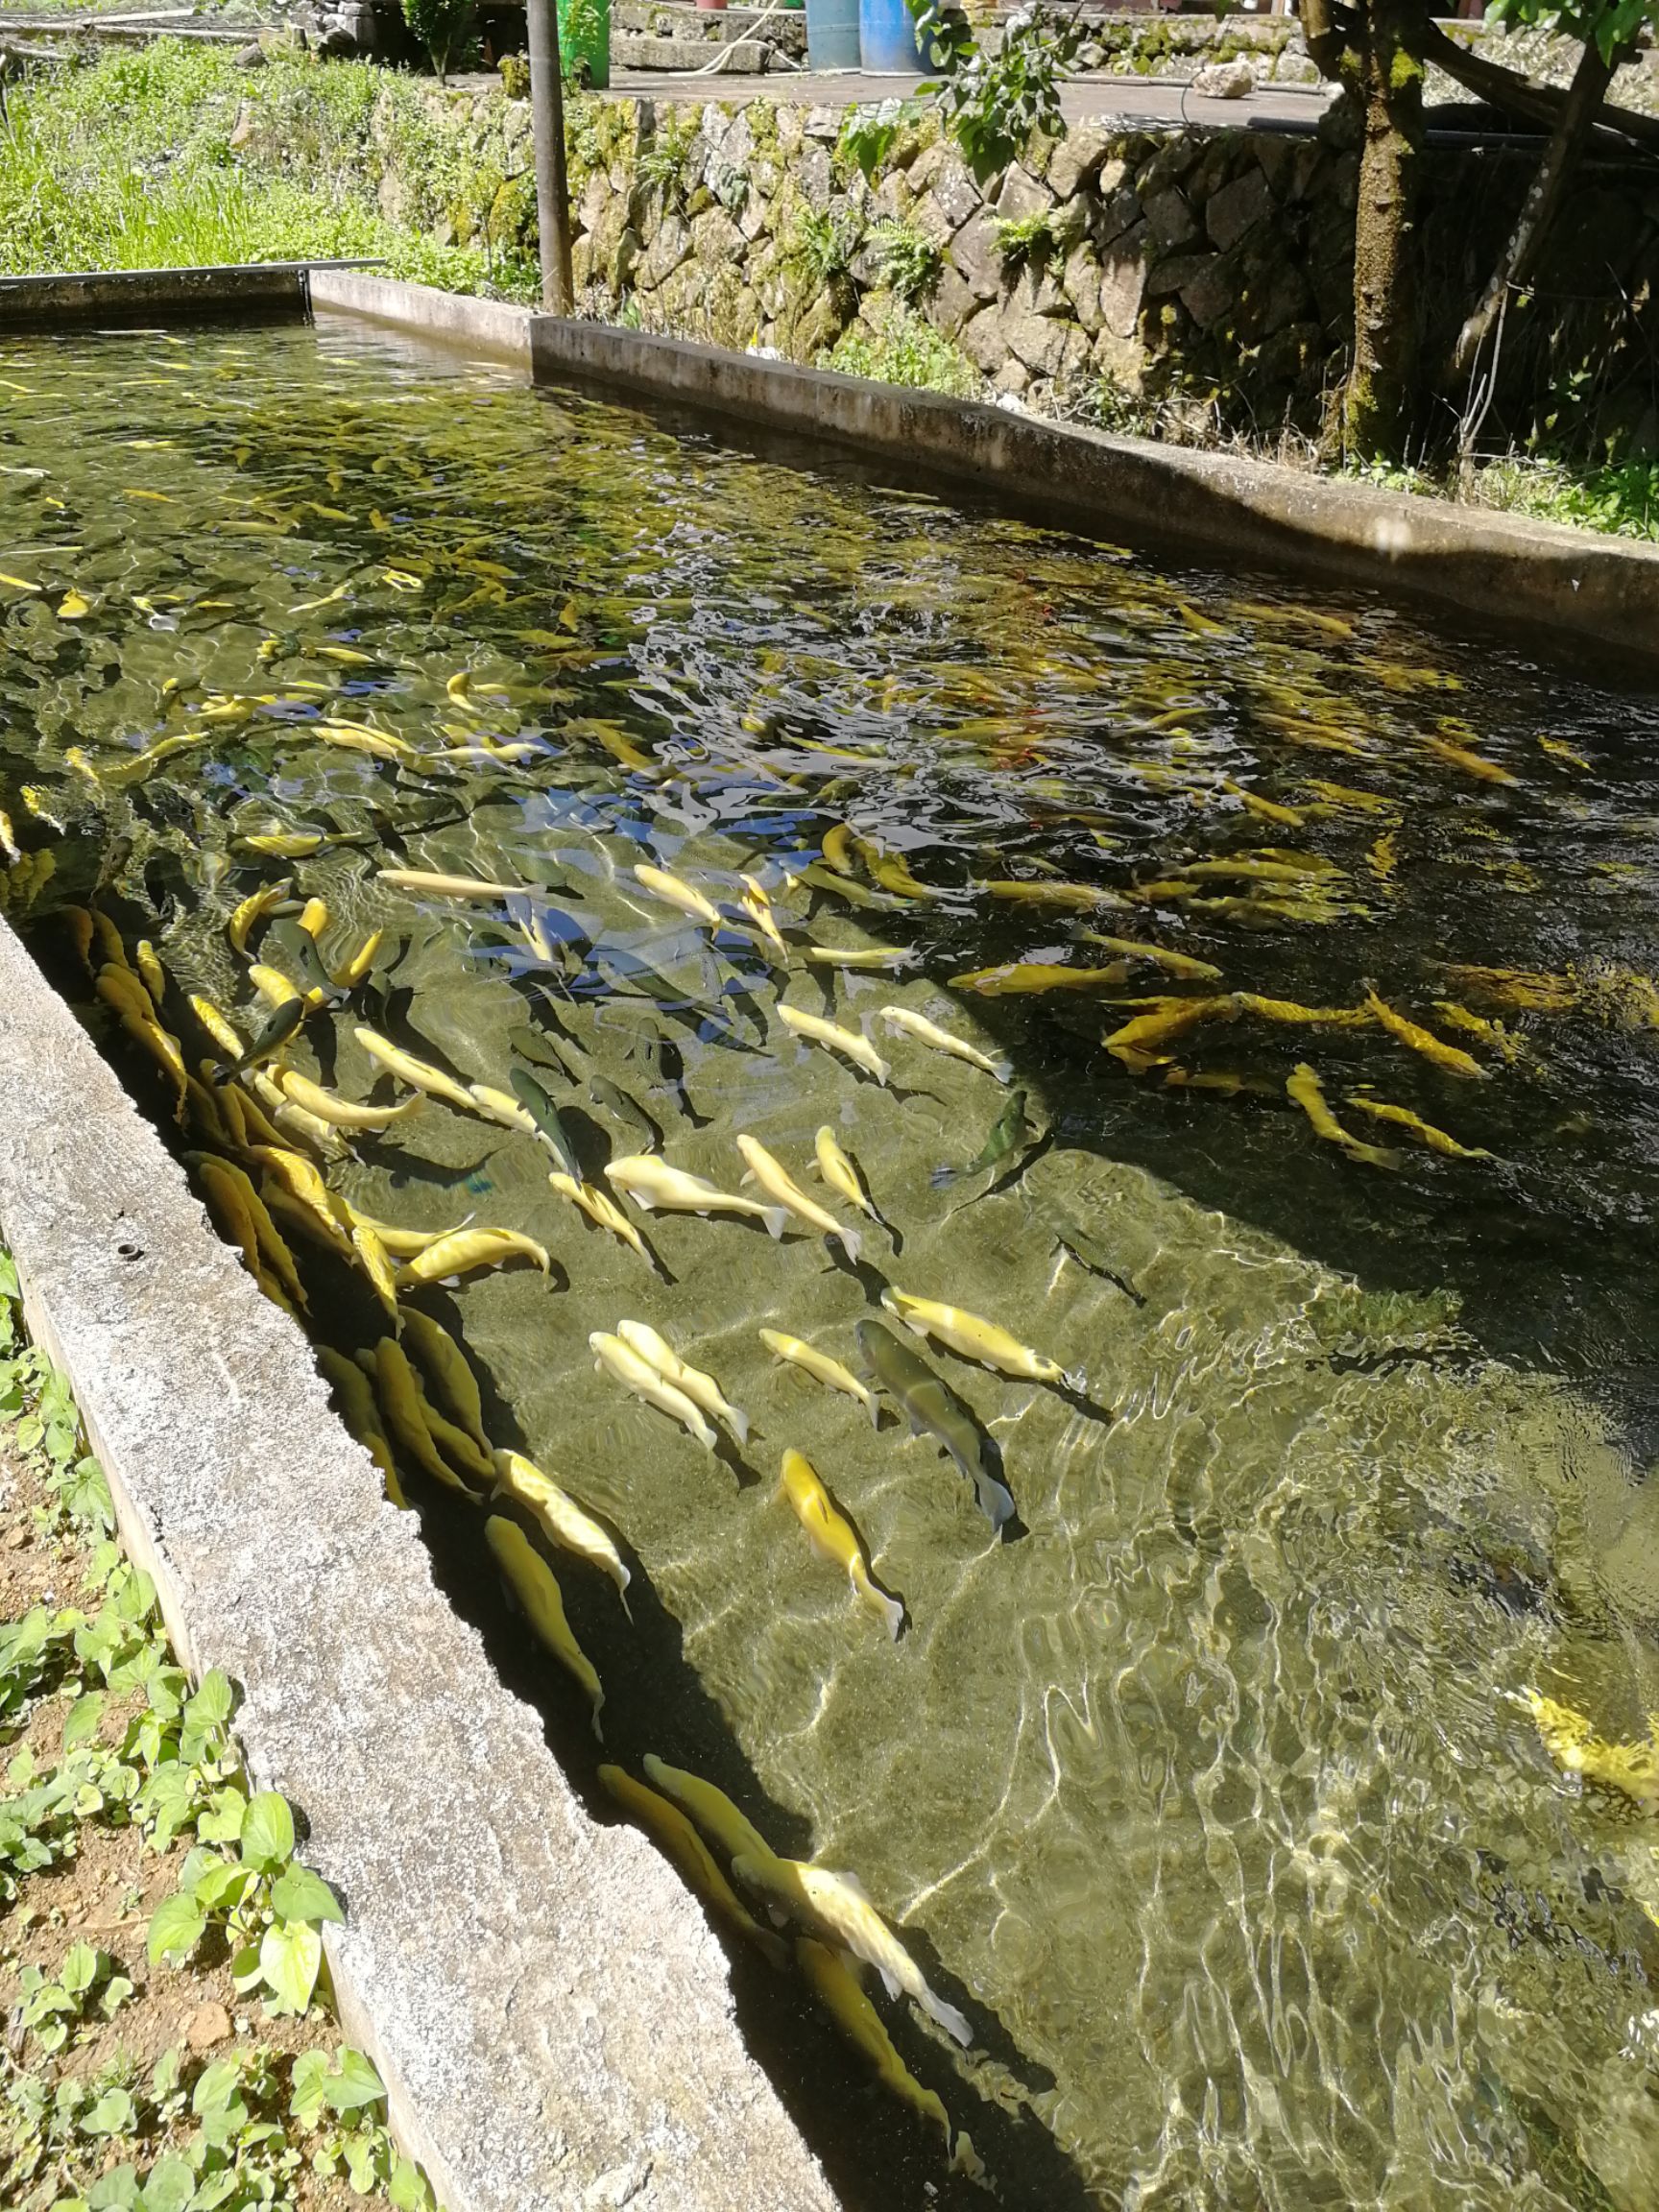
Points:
point(585, 41)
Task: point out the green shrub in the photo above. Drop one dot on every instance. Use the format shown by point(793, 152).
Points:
point(1024, 239)
point(441, 26)
point(905, 348)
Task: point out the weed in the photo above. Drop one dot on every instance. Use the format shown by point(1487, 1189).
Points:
point(910, 263)
point(1023, 241)
point(441, 26)
point(664, 156)
point(822, 244)
point(905, 348)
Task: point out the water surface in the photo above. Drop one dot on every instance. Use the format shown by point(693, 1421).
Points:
point(1209, 1796)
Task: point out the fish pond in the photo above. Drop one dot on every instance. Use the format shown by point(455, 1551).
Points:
point(1273, 1792)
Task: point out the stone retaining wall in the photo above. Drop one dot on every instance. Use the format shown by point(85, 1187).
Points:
point(1189, 281)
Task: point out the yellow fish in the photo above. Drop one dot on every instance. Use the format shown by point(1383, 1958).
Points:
point(674, 891)
point(466, 1249)
point(1471, 763)
point(1559, 751)
point(831, 1534)
point(1290, 1011)
point(983, 1341)
point(1074, 898)
point(811, 1030)
point(601, 1210)
point(819, 1366)
point(358, 1410)
point(1572, 1741)
point(656, 1187)
point(834, 1907)
point(770, 1175)
point(341, 1113)
point(1136, 1044)
point(1402, 1118)
point(836, 1986)
point(838, 1171)
point(426, 883)
point(563, 1521)
point(902, 1021)
point(682, 1844)
point(1452, 1057)
point(398, 1391)
point(252, 909)
point(1303, 1088)
point(72, 607)
point(709, 1807)
point(532, 1582)
point(1525, 989)
point(614, 1356)
point(420, 1075)
point(701, 1389)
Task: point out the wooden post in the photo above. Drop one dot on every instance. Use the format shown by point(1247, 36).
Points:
point(552, 187)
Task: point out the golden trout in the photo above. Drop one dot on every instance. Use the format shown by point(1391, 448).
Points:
point(701, 1389)
point(659, 1189)
point(614, 1356)
point(831, 1535)
point(775, 1179)
point(563, 1521)
point(682, 1843)
point(983, 1341)
point(1303, 1088)
point(812, 1029)
point(821, 1367)
point(834, 1907)
point(533, 1583)
point(900, 1020)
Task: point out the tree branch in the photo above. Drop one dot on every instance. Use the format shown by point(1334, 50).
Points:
point(1538, 210)
point(1519, 96)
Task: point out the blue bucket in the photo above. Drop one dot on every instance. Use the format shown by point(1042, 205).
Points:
point(832, 33)
point(887, 45)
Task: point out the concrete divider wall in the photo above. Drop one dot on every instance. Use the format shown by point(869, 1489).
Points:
point(1580, 586)
point(545, 2001)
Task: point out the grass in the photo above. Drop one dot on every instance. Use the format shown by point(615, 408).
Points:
point(1620, 498)
point(170, 2049)
point(129, 164)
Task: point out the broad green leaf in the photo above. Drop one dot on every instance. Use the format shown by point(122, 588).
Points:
point(408, 2187)
point(79, 1968)
point(169, 2184)
point(114, 1995)
point(354, 2083)
point(289, 1960)
point(298, 1894)
point(117, 2190)
point(211, 1705)
point(362, 2166)
point(309, 2094)
point(221, 1820)
point(82, 1720)
point(267, 1831)
point(222, 1887)
point(114, 2114)
point(174, 1927)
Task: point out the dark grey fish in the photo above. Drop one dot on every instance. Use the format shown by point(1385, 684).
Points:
point(1012, 1127)
point(611, 1098)
point(310, 964)
point(271, 1039)
point(541, 1110)
point(930, 1404)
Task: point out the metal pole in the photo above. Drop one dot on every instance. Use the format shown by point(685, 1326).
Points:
point(552, 188)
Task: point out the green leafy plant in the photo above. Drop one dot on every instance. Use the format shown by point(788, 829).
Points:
point(1023, 240)
point(905, 349)
point(664, 156)
point(87, 1983)
point(821, 246)
point(441, 27)
point(910, 263)
point(869, 134)
point(993, 104)
point(270, 1909)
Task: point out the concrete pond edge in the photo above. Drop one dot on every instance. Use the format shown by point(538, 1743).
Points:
point(547, 2006)
point(1577, 587)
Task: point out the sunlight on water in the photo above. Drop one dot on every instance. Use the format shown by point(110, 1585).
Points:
point(1212, 1796)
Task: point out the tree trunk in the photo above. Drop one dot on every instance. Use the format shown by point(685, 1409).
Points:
point(1379, 406)
point(1590, 81)
point(547, 127)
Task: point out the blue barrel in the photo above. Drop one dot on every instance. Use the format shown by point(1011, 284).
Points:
point(887, 44)
point(832, 33)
